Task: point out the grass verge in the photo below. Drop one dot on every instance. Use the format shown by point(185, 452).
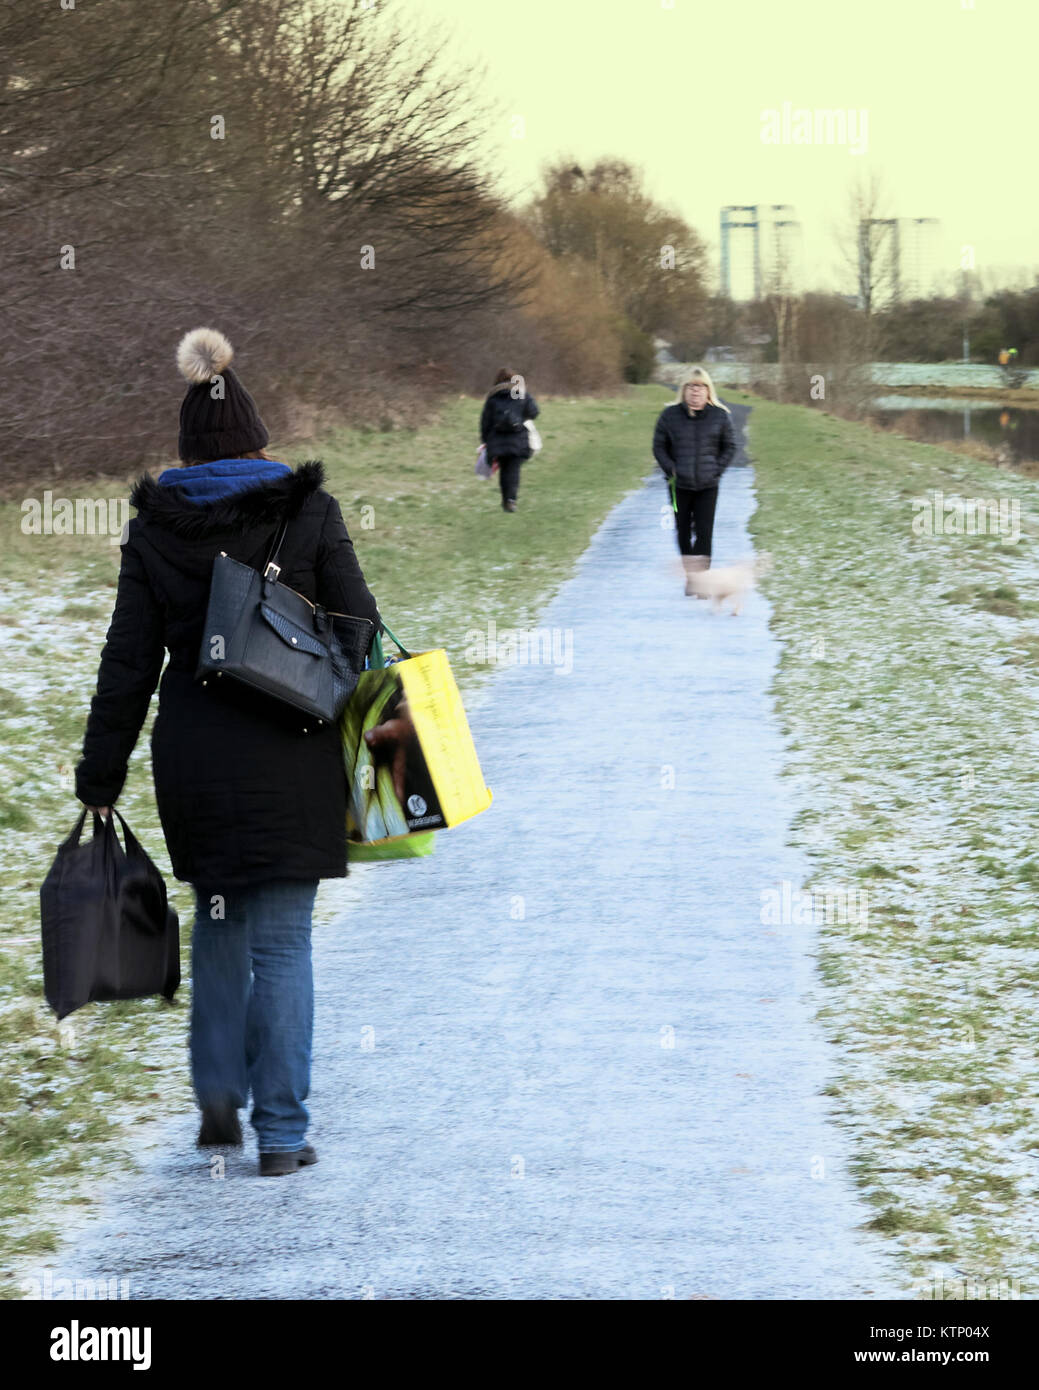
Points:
point(906, 689)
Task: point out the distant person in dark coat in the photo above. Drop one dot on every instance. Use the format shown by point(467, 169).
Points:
point(252, 796)
point(504, 432)
point(694, 443)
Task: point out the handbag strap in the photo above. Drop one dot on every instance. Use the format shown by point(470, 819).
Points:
point(129, 838)
point(378, 657)
point(106, 825)
point(396, 641)
point(275, 550)
point(73, 838)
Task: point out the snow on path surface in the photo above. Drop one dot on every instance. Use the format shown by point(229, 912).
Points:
point(591, 1071)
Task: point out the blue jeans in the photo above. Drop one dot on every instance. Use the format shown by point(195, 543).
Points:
point(252, 1005)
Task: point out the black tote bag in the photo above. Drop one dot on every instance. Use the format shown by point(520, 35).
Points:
point(108, 930)
point(267, 636)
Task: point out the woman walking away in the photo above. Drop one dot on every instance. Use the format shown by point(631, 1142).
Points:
point(503, 430)
point(694, 443)
point(252, 797)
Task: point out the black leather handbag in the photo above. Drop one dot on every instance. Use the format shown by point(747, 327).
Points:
point(262, 634)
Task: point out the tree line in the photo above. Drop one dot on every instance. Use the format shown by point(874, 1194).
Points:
point(309, 178)
point(912, 330)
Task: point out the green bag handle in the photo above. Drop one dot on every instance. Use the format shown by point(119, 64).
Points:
point(378, 656)
point(671, 484)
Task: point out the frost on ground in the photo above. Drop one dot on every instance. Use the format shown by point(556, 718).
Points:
point(908, 690)
point(68, 1090)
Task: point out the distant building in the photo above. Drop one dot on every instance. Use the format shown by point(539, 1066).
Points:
point(898, 259)
point(761, 250)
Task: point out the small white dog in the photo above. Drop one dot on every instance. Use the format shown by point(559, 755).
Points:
point(732, 582)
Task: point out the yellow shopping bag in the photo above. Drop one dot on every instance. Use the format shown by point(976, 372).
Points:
point(410, 759)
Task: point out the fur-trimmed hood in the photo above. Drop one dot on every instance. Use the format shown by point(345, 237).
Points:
point(172, 510)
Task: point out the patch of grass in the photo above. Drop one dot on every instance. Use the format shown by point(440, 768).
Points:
point(977, 1095)
point(1004, 607)
point(1025, 649)
point(35, 1243)
point(988, 865)
point(13, 816)
point(78, 611)
point(896, 1220)
point(1001, 599)
point(915, 1131)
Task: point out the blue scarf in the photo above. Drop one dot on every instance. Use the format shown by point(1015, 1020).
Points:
point(209, 482)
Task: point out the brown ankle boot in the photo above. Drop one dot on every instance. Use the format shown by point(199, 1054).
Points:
point(694, 564)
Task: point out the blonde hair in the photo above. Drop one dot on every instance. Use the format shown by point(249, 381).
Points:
point(703, 377)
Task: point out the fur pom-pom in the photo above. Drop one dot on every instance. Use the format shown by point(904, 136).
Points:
point(203, 354)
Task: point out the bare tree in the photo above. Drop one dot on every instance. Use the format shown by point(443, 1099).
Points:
point(866, 239)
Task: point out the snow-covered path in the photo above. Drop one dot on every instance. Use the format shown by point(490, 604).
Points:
point(563, 1058)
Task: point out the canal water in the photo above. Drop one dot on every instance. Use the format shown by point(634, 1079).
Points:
point(942, 420)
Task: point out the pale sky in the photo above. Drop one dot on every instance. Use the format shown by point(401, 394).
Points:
point(950, 96)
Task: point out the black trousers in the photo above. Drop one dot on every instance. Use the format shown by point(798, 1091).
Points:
point(695, 514)
point(508, 478)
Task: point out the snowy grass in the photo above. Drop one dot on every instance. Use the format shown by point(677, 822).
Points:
point(907, 692)
point(441, 557)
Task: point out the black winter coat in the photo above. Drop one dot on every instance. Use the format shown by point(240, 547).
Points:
point(696, 446)
point(498, 409)
point(243, 793)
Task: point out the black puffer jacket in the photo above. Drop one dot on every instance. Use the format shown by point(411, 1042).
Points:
point(243, 793)
point(696, 446)
point(499, 409)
